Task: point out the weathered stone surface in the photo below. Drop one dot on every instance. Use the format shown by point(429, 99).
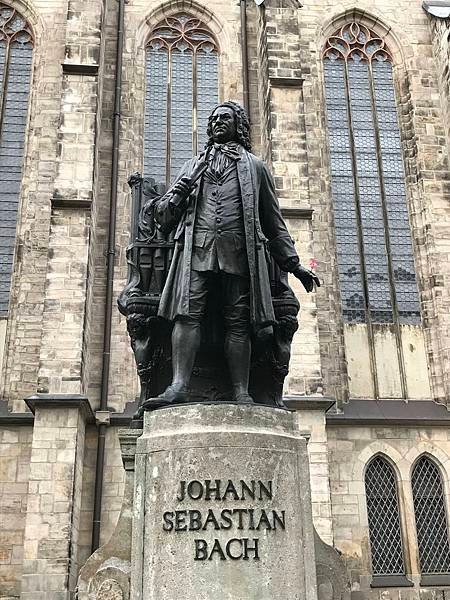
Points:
point(106, 574)
point(110, 590)
point(239, 479)
point(332, 580)
point(50, 336)
point(50, 539)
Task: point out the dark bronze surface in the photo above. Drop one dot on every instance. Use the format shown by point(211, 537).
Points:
point(209, 310)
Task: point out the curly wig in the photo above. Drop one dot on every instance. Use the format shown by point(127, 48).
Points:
point(242, 124)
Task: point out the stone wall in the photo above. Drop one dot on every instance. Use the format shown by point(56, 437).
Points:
point(20, 367)
point(284, 147)
point(54, 337)
point(311, 421)
point(61, 360)
point(52, 525)
point(440, 31)
point(350, 450)
point(15, 450)
point(72, 124)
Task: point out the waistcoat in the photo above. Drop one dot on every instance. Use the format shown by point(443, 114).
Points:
point(219, 237)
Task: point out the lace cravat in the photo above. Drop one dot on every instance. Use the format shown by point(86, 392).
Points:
point(222, 157)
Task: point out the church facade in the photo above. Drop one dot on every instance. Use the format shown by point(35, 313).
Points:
point(349, 105)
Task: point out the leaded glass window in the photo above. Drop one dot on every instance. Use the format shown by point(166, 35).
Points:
point(182, 89)
point(16, 52)
point(384, 519)
point(431, 518)
point(374, 249)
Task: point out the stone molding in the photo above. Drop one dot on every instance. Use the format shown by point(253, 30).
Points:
point(80, 69)
point(70, 203)
point(390, 581)
point(8, 417)
point(284, 82)
point(299, 403)
point(61, 401)
point(290, 212)
point(381, 412)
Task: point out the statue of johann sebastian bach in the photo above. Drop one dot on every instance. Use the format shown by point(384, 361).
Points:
point(225, 222)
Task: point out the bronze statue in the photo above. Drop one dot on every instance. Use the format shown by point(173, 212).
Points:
point(231, 253)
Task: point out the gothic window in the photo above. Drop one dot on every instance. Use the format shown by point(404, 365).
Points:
point(182, 89)
point(431, 518)
point(16, 50)
point(384, 519)
point(376, 266)
point(373, 236)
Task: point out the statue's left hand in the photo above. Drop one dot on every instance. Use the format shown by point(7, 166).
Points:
point(307, 277)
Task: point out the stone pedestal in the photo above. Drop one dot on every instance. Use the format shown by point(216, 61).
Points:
point(222, 506)
point(216, 507)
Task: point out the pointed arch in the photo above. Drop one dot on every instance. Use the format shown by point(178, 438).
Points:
point(191, 7)
point(16, 57)
point(373, 21)
point(32, 17)
point(383, 513)
point(431, 449)
point(431, 516)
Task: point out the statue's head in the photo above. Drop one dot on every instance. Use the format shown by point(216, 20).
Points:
point(229, 122)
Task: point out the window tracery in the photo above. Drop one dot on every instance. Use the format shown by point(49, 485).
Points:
point(356, 41)
point(182, 88)
point(376, 265)
point(16, 53)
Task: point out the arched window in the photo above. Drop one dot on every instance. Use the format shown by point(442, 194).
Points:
point(431, 518)
point(384, 519)
point(182, 88)
point(374, 248)
point(16, 52)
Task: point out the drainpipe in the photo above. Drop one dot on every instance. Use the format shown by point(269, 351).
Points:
point(244, 52)
point(110, 257)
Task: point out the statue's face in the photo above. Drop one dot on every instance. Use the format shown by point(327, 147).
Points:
point(223, 124)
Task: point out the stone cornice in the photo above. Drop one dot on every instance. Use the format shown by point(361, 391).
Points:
point(388, 412)
point(292, 212)
point(61, 401)
point(79, 69)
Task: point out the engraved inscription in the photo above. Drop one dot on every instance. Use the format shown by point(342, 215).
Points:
point(228, 519)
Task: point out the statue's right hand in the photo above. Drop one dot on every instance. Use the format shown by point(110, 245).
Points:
point(182, 187)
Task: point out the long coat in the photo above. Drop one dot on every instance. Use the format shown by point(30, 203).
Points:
point(265, 231)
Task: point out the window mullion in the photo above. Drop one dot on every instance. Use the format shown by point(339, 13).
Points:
point(360, 240)
point(4, 84)
point(182, 39)
point(169, 114)
point(398, 335)
point(194, 102)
